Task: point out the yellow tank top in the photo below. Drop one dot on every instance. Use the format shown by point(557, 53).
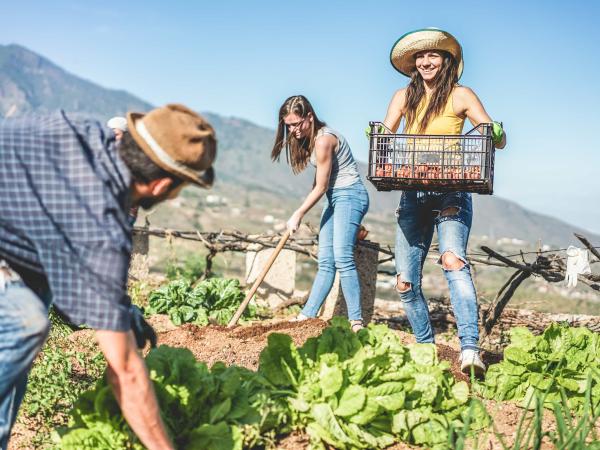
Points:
point(445, 123)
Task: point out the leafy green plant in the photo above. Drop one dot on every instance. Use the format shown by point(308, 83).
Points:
point(559, 363)
point(56, 380)
point(367, 390)
point(138, 292)
point(346, 390)
point(220, 408)
point(212, 301)
point(573, 431)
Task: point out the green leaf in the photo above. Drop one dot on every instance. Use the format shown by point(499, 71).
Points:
point(219, 411)
point(389, 396)
point(423, 354)
point(331, 377)
point(460, 391)
point(279, 362)
point(324, 416)
point(517, 356)
point(368, 413)
point(215, 437)
point(352, 401)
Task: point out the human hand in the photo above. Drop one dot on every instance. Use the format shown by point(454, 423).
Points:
point(293, 222)
point(577, 263)
point(142, 330)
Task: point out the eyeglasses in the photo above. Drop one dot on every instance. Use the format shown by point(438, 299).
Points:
point(295, 124)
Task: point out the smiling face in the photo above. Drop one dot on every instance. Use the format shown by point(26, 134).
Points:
point(297, 126)
point(429, 63)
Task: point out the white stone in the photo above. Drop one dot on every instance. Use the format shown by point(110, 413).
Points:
point(280, 282)
point(366, 260)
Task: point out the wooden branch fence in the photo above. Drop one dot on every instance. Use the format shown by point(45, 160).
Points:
point(550, 265)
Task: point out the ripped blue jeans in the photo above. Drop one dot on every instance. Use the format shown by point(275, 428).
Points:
point(418, 214)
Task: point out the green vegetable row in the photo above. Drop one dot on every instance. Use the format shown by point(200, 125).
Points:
point(347, 390)
point(561, 359)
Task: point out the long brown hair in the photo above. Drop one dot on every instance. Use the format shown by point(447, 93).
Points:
point(444, 83)
point(297, 151)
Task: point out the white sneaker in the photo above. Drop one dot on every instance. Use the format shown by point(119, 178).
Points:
point(299, 318)
point(470, 359)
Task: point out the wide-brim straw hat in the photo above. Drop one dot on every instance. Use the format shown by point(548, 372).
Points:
point(403, 52)
point(178, 140)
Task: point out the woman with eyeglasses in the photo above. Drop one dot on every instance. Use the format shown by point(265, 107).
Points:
point(306, 139)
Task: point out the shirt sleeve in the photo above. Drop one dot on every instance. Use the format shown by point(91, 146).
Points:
point(89, 284)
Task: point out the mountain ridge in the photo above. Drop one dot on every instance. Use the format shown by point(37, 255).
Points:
point(32, 83)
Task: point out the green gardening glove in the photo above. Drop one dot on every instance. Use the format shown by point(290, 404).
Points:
point(497, 132)
point(380, 130)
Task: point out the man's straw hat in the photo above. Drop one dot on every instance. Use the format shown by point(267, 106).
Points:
point(403, 52)
point(178, 140)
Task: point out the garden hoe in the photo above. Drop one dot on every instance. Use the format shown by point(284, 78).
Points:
point(259, 280)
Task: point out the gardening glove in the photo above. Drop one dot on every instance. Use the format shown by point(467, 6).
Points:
point(497, 132)
point(380, 129)
point(142, 330)
point(577, 263)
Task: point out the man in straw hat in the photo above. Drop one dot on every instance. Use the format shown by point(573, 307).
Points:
point(65, 191)
point(434, 103)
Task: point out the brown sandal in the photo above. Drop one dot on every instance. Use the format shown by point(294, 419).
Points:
point(356, 325)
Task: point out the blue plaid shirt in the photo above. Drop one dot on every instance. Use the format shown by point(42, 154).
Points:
point(64, 202)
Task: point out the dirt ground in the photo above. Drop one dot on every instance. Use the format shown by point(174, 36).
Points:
point(243, 344)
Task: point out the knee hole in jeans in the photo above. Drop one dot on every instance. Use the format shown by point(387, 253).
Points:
point(402, 286)
point(450, 211)
point(452, 262)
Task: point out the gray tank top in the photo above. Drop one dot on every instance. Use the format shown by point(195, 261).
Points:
point(344, 170)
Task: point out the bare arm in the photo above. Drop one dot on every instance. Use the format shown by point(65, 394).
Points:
point(324, 149)
point(466, 103)
point(396, 110)
point(133, 389)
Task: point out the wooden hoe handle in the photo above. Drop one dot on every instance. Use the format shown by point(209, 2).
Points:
point(258, 280)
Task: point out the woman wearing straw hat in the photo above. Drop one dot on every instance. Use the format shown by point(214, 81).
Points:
point(306, 140)
point(434, 103)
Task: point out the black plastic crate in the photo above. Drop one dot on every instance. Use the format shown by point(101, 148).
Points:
point(437, 163)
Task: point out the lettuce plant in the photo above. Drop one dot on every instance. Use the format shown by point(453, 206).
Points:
point(212, 301)
point(346, 390)
point(220, 408)
point(563, 358)
point(367, 390)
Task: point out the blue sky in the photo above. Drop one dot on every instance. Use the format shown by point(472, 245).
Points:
point(534, 64)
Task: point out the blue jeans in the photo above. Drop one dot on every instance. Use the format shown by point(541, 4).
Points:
point(418, 214)
point(24, 326)
point(340, 221)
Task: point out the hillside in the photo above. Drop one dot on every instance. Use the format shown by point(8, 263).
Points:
point(31, 83)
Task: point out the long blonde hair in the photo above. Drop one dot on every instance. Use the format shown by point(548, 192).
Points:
point(297, 151)
point(445, 83)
